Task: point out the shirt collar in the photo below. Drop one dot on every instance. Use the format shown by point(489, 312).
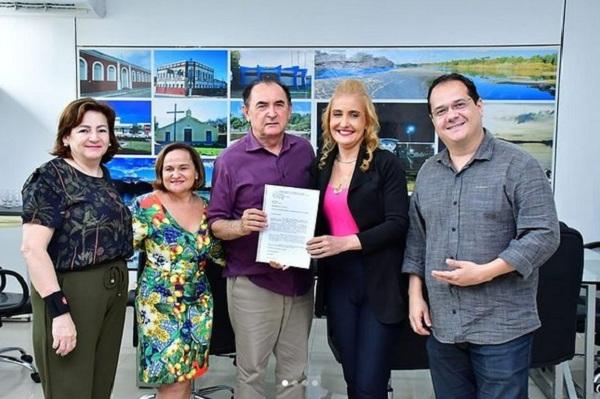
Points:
point(483, 153)
point(252, 144)
point(486, 148)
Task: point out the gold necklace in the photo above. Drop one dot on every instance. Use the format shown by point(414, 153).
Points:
point(337, 159)
point(97, 173)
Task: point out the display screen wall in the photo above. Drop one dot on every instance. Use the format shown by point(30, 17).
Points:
point(164, 95)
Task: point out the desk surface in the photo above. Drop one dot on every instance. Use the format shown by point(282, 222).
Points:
point(591, 267)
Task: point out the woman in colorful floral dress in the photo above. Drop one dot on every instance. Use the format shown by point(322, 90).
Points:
point(174, 302)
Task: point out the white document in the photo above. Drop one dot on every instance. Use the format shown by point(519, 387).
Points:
point(291, 218)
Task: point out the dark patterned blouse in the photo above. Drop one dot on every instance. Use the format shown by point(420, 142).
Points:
point(91, 224)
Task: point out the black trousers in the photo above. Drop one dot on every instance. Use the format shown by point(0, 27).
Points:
point(363, 342)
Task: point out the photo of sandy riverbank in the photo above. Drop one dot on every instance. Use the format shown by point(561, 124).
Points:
point(528, 125)
point(500, 74)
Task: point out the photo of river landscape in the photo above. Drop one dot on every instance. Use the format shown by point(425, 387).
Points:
point(499, 73)
point(528, 125)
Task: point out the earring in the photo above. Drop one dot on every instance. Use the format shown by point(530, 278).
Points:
point(66, 144)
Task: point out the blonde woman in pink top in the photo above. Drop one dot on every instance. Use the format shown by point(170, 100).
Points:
point(360, 240)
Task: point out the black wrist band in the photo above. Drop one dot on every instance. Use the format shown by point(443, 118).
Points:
point(56, 304)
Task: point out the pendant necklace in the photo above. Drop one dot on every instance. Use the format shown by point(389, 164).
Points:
point(337, 189)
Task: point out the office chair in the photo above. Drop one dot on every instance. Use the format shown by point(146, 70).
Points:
point(222, 341)
point(581, 315)
point(13, 304)
point(131, 294)
point(409, 352)
point(557, 299)
point(581, 306)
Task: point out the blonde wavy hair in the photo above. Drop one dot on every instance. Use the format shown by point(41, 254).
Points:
point(351, 87)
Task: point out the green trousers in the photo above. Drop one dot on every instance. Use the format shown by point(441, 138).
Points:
point(97, 297)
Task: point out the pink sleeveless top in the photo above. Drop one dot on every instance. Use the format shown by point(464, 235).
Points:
point(337, 213)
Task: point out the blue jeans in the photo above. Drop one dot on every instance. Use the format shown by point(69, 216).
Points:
point(471, 371)
point(364, 343)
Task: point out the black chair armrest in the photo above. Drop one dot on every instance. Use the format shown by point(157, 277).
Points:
point(592, 245)
point(7, 308)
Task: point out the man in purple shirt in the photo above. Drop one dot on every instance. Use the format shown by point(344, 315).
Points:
point(270, 306)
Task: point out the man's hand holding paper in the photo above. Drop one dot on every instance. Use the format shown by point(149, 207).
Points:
point(292, 218)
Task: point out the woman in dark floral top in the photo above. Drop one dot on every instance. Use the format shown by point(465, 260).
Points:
point(76, 237)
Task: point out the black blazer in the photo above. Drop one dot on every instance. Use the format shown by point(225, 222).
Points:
point(378, 201)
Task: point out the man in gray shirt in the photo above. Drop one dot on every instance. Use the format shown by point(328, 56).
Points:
point(482, 220)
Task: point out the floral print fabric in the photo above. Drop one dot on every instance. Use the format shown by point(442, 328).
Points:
point(91, 224)
point(173, 303)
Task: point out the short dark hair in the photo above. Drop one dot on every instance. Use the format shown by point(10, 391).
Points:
point(72, 116)
point(158, 184)
point(471, 89)
point(267, 80)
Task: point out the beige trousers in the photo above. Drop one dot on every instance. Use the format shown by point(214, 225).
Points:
point(265, 322)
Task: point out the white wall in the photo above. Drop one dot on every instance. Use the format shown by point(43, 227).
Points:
point(37, 79)
point(577, 176)
point(38, 62)
point(324, 23)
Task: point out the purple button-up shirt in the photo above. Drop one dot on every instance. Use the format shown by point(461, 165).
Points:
point(239, 178)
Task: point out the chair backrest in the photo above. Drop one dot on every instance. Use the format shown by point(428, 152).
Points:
point(12, 303)
point(409, 351)
point(558, 294)
point(222, 340)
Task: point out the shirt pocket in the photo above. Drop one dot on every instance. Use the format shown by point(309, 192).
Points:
point(487, 204)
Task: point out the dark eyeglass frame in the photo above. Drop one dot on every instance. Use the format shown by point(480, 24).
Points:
point(458, 105)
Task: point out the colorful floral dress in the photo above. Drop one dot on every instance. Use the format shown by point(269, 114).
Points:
point(174, 303)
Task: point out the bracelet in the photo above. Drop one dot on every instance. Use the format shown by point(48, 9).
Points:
point(56, 304)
